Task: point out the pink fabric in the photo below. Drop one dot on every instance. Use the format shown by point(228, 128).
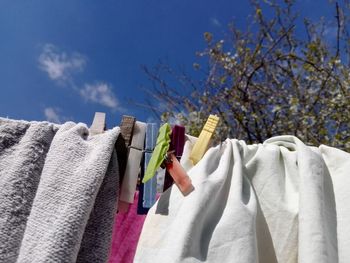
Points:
point(126, 233)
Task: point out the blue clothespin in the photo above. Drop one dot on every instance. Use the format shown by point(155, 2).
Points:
point(150, 187)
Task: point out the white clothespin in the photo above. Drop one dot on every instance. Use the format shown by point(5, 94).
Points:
point(99, 123)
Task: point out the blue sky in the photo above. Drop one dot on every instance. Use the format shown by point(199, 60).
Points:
point(64, 60)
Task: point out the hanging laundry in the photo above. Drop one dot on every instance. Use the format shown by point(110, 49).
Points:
point(126, 233)
point(58, 191)
point(280, 201)
point(23, 148)
point(141, 210)
point(185, 161)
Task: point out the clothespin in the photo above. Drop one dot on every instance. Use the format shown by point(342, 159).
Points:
point(126, 131)
point(98, 124)
point(126, 128)
point(179, 175)
point(162, 157)
point(202, 143)
point(178, 140)
point(128, 187)
point(177, 145)
point(150, 187)
point(159, 152)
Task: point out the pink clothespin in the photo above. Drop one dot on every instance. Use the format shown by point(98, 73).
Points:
point(179, 175)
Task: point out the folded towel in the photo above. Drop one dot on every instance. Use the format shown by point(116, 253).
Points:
point(60, 194)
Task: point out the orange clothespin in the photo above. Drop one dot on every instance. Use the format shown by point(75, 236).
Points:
point(202, 143)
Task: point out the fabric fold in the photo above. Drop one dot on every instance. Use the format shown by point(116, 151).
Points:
point(23, 148)
point(126, 233)
point(270, 202)
point(71, 181)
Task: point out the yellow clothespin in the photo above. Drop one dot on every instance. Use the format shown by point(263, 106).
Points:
point(202, 143)
point(98, 124)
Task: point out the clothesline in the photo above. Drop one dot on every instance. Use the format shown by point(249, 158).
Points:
point(62, 185)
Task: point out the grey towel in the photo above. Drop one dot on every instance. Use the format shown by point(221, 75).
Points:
point(71, 216)
point(23, 147)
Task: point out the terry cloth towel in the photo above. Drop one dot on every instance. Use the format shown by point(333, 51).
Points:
point(58, 190)
point(126, 233)
point(280, 201)
point(23, 148)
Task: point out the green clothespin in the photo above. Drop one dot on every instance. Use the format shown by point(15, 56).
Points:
point(159, 152)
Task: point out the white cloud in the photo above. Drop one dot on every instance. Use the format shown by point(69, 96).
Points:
point(52, 115)
point(58, 65)
point(215, 22)
point(100, 93)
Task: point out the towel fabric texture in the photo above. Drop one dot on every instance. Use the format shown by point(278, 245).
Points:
point(58, 192)
point(280, 201)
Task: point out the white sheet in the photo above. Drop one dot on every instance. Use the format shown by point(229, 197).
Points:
point(280, 201)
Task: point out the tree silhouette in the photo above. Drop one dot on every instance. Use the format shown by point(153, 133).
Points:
point(266, 80)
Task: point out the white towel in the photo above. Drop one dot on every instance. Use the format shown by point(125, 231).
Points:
point(280, 201)
point(69, 215)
